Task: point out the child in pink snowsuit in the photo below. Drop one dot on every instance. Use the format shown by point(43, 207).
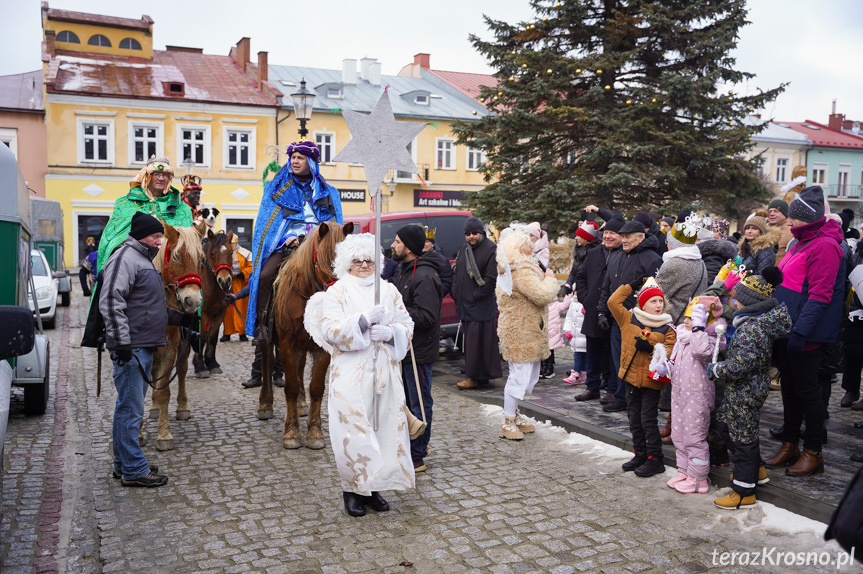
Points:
point(692, 393)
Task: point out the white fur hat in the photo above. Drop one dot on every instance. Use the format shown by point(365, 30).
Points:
point(354, 247)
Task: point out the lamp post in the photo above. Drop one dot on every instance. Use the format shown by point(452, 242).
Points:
point(303, 101)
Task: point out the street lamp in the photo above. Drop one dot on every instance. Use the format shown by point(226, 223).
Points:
point(303, 101)
point(392, 185)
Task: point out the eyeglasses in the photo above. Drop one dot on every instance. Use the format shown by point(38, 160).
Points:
point(472, 233)
point(361, 262)
point(164, 175)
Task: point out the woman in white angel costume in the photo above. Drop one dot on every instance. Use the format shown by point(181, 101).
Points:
point(366, 402)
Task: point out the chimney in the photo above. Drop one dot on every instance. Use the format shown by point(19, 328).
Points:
point(375, 74)
point(50, 36)
point(365, 63)
point(423, 61)
point(263, 70)
point(349, 72)
point(834, 107)
point(835, 120)
point(243, 53)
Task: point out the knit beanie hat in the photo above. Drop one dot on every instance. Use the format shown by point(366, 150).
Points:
point(588, 231)
point(847, 216)
point(779, 204)
point(644, 219)
point(614, 224)
point(809, 205)
point(669, 220)
point(474, 225)
point(758, 220)
point(143, 225)
point(756, 288)
point(413, 237)
point(648, 291)
point(534, 229)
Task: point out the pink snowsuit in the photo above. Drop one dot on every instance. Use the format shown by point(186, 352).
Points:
point(555, 333)
point(692, 398)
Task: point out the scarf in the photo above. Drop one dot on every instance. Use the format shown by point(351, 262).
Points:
point(690, 252)
point(649, 320)
point(472, 270)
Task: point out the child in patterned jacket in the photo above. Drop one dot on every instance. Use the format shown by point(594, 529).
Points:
point(572, 330)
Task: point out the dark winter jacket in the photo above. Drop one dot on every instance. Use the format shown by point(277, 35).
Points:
point(715, 253)
point(588, 287)
point(578, 255)
point(444, 269)
point(761, 251)
point(132, 300)
point(813, 282)
point(625, 267)
point(420, 287)
point(474, 303)
point(661, 244)
point(745, 369)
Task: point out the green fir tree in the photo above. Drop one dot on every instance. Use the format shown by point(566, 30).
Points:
point(616, 102)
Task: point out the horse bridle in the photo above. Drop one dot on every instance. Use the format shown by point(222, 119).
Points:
point(318, 287)
point(179, 282)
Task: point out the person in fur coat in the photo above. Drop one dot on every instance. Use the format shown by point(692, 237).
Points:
point(715, 253)
point(577, 341)
point(641, 330)
point(757, 247)
point(693, 394)
point(523, 293)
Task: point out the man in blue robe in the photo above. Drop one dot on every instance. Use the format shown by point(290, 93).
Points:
point(296, 201)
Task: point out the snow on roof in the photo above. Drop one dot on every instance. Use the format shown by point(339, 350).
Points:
point(822, 136)
point(22, 91)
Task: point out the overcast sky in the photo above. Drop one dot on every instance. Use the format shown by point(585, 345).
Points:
point(816, 46)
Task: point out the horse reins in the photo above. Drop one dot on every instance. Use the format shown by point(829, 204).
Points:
point(187, 279)
point(318, 287)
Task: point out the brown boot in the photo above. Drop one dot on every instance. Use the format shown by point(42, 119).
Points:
point(788, 454)
point(849, 399)
point(467, 384)
point(666, 430)
point(810, 462)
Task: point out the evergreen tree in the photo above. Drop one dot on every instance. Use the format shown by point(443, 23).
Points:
point(616, 102)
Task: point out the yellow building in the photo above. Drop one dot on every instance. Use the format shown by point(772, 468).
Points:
point(111, 102)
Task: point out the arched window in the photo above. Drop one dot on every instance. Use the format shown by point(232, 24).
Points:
point(99, 40)
point(130, 44)
point(67, 36)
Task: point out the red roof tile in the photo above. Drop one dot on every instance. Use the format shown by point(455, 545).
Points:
point(206, 78)
point(100, 20)
point(824, 136)
point(468, 84)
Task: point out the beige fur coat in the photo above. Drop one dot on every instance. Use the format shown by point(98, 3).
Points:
point(522, 326)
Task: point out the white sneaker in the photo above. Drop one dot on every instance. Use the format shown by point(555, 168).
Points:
point(509, 430)
point(522, 423)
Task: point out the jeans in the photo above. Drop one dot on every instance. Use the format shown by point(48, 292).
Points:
point(579, 361)
point(597, 361)
point(419, 446)
point(801, 395)
point(615, 384)
point(131, 389)
point(642, 408)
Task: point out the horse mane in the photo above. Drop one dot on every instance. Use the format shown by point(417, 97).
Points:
point(189, 239)
point(219, 240)
point(299, 271)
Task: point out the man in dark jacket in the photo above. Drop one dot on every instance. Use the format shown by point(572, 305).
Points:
point(445, 269)
point(636, 259)
point(585, 240)
point(473, 286)
point(652, 228)
point(420, 286)
point(132, 303)
point(588, 288)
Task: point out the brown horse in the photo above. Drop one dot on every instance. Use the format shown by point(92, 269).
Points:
point(309, 270)
point(179, 262)
point(216, 278)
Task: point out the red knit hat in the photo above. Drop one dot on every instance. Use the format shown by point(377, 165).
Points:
point(588, 231)
point(651, 289)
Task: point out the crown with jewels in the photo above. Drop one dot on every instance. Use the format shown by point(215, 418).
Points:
point(757, 283)
point(430, 231)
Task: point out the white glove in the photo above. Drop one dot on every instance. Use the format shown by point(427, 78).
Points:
point(381, 333)
point(376, 314)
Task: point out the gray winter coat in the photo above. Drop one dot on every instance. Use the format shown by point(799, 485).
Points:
point(680, 280)
point(133, 299)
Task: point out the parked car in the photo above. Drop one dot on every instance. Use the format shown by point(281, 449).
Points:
point(449, 236)
point(48, 238)
point(46, 288)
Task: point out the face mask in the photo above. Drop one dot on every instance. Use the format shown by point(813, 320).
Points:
point(151, 250)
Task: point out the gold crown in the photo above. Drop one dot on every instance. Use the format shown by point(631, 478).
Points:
point(430, 231)
point(751, 281)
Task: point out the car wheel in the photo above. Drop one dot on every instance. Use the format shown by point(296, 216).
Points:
point(36, 395)
point(65, 298)
point(48, 323)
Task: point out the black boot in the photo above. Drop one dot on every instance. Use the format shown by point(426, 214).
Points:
point(653, 465)
point(776, 432)
point(377, 502)
point(259, 338)
point(636, 461)
point(354, 504)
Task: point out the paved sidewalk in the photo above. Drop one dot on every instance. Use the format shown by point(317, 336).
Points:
point(239, 502)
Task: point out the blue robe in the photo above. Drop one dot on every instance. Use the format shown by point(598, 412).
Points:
point(288, 209)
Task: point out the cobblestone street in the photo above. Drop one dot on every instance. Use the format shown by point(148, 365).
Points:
point(239, 502)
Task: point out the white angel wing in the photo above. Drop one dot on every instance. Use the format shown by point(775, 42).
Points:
point(313, 319)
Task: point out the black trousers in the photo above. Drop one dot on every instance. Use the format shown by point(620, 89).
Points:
point(257, 372)
point(853, 357)
point(269, 271)
point(802, 395)
point(747, 460)
point(642, 408)
point(714, 436)
point(82, 277)
point(598, 360)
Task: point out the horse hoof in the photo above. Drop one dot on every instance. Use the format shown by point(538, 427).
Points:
point(292, 443)
point(202, 374)
point(314, 443)
point(184, 415)
point(215, 370)
point(164, 444)
point(265, 415)
point(154, 413)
